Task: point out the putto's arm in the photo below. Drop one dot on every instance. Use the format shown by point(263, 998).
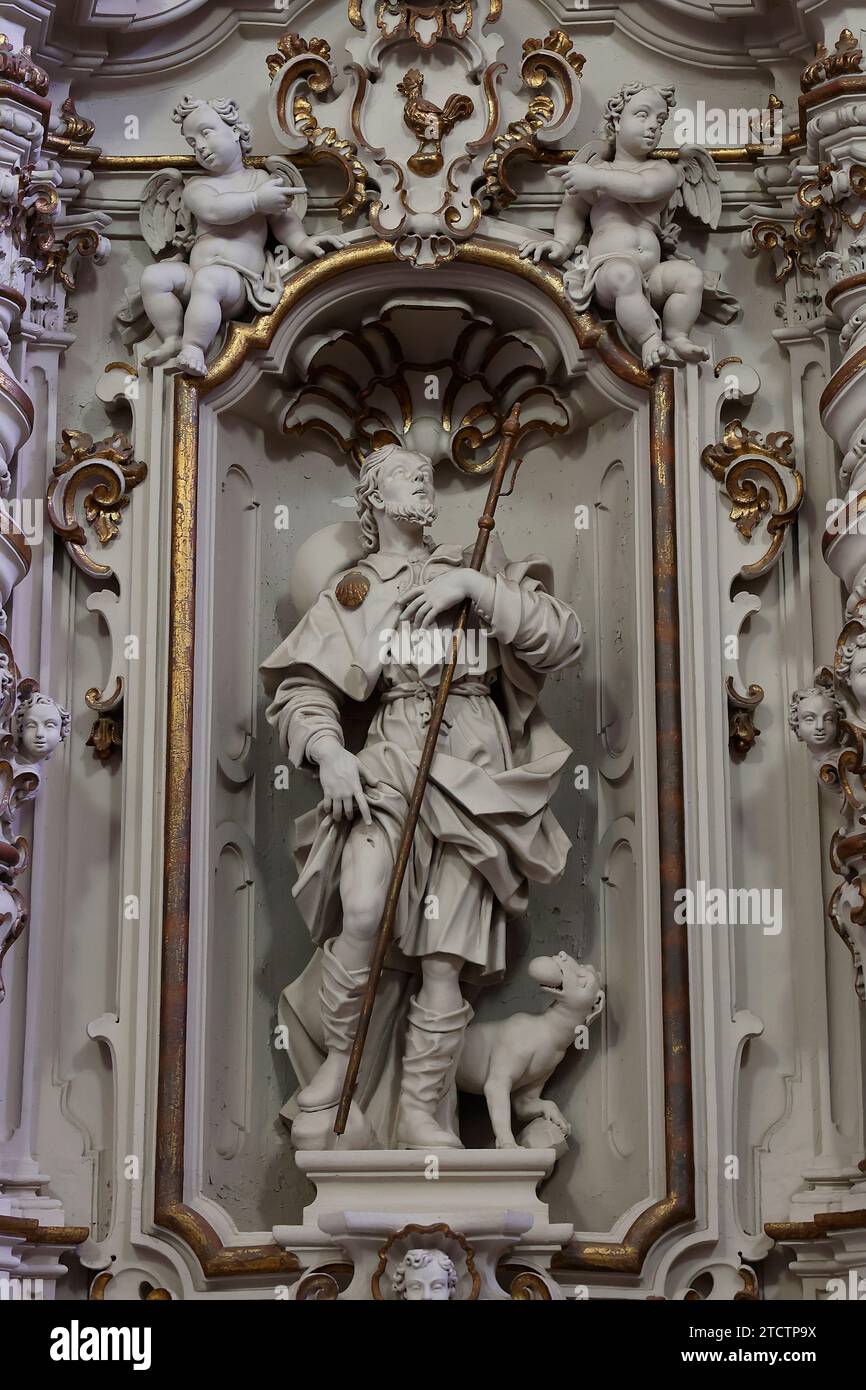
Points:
point(656, 180)
point(221, 209)
point(569, 224)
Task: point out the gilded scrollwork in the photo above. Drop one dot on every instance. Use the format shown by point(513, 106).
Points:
point(742, 462)
point(425, 199)
point(106, 735)
point(549, 63)
point(742, 730)
point(734, 462)
point(101, 475)
point(789, 251)
point(846, 57)
point(425, 21)
point(301, 70)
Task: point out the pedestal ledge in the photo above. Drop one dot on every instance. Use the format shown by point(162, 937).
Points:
point(486, 1198)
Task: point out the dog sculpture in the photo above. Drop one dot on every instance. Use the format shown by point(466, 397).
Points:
point(509, 1060)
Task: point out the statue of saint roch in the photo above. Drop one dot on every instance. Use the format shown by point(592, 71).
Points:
point(485, 827)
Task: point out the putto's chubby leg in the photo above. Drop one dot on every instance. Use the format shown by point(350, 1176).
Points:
point(217, 293)
point(364, 876)
point(164, 292)
point(677, 289)
point(619, 286)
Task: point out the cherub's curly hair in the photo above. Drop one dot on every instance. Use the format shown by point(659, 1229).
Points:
point(225, 108)
point(847, 654)
point(808, 693)
point(28, 702)
point(419, 1259)
point(617, 103)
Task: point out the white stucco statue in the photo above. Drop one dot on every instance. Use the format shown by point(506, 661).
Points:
point(39, 725)
point(509, 1060)
point(425, 1276)
point(220, 221)
point(815, 715)
point(486, 828)
point(630, 264)
point(851, 674)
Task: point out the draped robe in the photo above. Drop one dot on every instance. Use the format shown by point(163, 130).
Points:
point(486, 827)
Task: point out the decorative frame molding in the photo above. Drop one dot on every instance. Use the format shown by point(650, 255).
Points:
point(677, 1206)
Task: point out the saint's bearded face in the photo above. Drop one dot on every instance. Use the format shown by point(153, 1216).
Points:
point(405, 489)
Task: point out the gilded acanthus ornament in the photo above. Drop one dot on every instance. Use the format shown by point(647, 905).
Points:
point(100, 475)
point(740, 453)
point(429, 183)
point(847, 57)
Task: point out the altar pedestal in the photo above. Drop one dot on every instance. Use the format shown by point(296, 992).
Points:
point(478, 1206)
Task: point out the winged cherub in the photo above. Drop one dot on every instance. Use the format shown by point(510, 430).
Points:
point(630, 200)
point(221, 221)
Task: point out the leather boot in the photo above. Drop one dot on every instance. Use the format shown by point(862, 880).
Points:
point(433, 1043)
point(340, 996)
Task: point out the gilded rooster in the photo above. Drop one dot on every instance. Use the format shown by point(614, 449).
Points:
point(428, 123)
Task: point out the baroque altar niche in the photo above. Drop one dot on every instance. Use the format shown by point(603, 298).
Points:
point(434, 363)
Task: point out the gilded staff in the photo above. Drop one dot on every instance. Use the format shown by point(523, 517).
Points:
point(486, 524)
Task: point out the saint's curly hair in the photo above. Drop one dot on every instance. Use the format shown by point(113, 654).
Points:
point(617, 103)
point(227, 110)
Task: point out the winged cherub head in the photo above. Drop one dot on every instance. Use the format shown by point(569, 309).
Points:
point(39, 724)
point(814, 716)
point(398, 482)
point(635, 117)
point(218, 137)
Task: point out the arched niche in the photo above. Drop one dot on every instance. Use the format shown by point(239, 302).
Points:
point(226, 451)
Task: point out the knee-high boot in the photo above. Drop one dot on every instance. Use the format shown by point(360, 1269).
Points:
point(433, 1043)
point(340, 996)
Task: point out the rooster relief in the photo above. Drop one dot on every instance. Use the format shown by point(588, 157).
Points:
point(428, 123)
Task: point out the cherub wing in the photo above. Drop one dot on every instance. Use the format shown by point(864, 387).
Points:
point(280, 168)
point(165, 221)
point(599, 149)
point(698, 187)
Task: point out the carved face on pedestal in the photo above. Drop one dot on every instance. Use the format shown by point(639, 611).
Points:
point(41, 725)
point(814, 717)
point(425, 1276)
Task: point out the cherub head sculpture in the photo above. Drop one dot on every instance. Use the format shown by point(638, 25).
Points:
point(39, 726)
point(399, 483)
point(851, 668)
point(425, 1276)
point(218, 137)
point(814, 716)
point(635, 117)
